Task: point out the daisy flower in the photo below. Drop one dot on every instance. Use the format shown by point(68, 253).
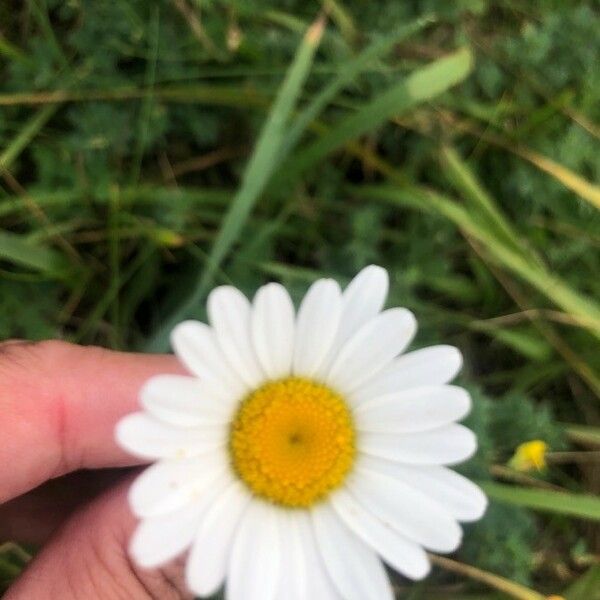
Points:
point(303, 449)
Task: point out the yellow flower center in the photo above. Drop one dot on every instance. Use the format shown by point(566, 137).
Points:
point(530, 455)
point(292, 441)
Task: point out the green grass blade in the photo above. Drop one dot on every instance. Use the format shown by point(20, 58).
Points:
point(10, 51)
point(586, 435)
point(27, 133)
point(184, 198)
point(509, 588)
point(214, 95)
point(420, 86)
point(571, 180)
point(346, 75)
point(104, 303)
point(40, 12)
point(464, 180)
point(17, 250)
point(146, 104)
point(561, 503)
point(587, 587)
point(342, 18)
point(586, 190)
point(531, 268)
point(256, 176)
point(510, 254)
point(584, 309)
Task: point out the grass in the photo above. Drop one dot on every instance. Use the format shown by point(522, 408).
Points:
point(149, 151)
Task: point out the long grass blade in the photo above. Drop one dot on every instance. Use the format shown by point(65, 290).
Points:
point(346, 75)
point(561, 503)
point(140, 195)
point(19, 251)
point(27, 133)
point(511, 588)
point(576, 183)
point(465, 181)
point(420, 86)
point(257, 174)
point(584, 309)
point(587, 587)
point(586, 435)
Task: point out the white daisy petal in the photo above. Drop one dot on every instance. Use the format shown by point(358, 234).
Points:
point(320, 584)
point(354, 568)
point(417, 409)
point(435, 365)
point(229, 313)
point(170, 484)
point(316, 326)
point(404, 555)
point(145, 436)
point(272, 326)
point(407, 510)
point(197, 348)
point(294, 584)
point(207, 564)
point(372, 348)
point(183, 401)
point(160, 539)
point(464, 500)
point(363, 299)
point(446, 445)
point(255, 563)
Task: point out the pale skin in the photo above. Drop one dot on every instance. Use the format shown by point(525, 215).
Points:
point(58, 407)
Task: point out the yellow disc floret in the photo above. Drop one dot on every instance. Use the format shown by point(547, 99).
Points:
point(292, 441)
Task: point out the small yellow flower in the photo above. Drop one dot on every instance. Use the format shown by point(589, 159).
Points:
point(167, 237)
point(529, 455)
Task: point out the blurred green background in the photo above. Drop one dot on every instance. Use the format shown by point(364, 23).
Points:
point(151, 150)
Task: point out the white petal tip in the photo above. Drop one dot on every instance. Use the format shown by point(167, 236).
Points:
point(408, 322)
point(142, 555)
point(220, 293)
point(183, 328)
point(455, 356)
point(468, 443)
point(375, 271)
point(418, 575)
point(463, 400)
point(199, 587)
point(452, 360)
point(451, 543)
point(126, 434)
point(479, 507)
point(411, 320)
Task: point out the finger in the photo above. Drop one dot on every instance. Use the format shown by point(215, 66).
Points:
point(87, 558)
point(33, 517)
point(58, 407)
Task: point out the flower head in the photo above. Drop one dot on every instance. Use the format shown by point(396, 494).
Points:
point(530, 455)
point(303, 448)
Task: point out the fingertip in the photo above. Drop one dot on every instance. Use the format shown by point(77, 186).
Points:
point(60, 403)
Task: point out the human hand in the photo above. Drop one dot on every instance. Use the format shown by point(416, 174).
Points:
point(58, 407)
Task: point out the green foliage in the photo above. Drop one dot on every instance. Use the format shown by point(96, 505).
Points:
point(144, 159)
point(587, 587)
point(503, 543)
point(517, 418)
point(28, 310)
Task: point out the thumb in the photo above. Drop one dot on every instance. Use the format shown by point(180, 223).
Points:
point(87, 558)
